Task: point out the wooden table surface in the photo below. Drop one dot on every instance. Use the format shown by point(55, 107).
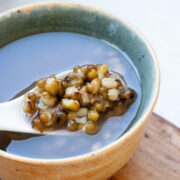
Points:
point(157, 157)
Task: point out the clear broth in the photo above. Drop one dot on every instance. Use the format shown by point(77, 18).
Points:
point(28, 59)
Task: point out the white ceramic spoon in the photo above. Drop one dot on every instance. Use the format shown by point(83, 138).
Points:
point(12, 116)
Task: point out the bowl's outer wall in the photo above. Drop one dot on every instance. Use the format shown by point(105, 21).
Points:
point(93, 168)
point(55, 17)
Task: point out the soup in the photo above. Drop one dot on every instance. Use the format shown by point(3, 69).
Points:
point(33, 57)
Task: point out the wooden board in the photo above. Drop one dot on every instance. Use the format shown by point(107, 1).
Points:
point(157, 157)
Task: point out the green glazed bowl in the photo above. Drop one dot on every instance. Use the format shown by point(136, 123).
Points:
point(68, 17)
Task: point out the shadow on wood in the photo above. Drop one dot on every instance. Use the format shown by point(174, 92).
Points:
point(158, 156)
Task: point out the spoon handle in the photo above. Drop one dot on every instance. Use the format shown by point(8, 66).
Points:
point(12, 117)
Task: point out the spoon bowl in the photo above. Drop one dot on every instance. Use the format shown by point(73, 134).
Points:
point(12, 116)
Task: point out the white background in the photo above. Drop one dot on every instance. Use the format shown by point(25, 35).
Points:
point(159, 21)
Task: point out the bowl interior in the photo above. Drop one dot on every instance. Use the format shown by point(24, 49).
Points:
point(55, 17)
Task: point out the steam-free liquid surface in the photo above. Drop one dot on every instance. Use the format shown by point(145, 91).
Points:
point(26, 60)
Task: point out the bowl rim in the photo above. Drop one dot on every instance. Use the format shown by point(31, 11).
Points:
point(131, 131)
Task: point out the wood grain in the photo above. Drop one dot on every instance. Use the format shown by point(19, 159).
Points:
point(158, 156)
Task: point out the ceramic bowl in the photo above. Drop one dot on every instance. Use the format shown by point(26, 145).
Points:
point(68, 17)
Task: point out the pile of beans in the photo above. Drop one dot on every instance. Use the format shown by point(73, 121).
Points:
point(78, 100)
